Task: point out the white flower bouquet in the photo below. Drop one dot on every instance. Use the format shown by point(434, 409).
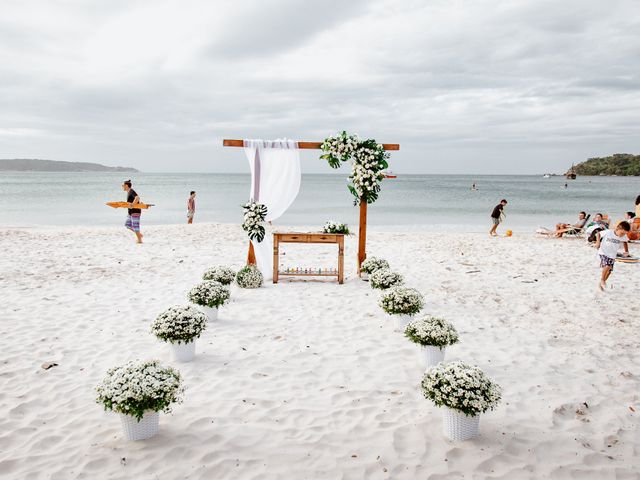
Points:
point(138, 387)
point(384, 278)
point(249, 276)
point(432, 331)
point(402, 301)
point(371, 264)
point(335, 227)
point(209, 294)
point(221, 274)
point(461, 387)
point(369, 159)
point(254, 215)
point(179, 324)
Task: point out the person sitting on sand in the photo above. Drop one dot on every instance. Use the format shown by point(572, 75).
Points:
point(191, 207)
point(629, 216)
point(496, 217)
point(608, 243)
point(562, 228)
point(133, 217)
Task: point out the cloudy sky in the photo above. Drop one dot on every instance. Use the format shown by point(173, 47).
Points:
point(465, 86)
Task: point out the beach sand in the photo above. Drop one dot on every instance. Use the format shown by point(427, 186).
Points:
point(308, 379)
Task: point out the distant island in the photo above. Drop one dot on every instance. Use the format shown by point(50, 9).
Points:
point(621, 164)
point(33, 165)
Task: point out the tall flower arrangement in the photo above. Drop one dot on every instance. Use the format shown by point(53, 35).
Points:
point(368, 161)
point(254, 215)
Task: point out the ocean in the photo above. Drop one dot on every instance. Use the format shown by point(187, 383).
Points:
point(30, 199)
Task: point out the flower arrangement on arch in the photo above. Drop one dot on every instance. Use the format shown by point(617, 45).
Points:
point(249, 276)
point(402, 301)
point(209, 294)
point(335, 227)
point(221, 274)
point(371, 264)
point(369, 160)
point(433, 331)
point(384, 278)
point(179, 324)
point(461, 387)
point(254, 216)
point(138, 387)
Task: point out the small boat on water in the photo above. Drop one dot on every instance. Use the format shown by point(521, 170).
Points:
point(546, 175)
point(389, 174)
point(571, 173)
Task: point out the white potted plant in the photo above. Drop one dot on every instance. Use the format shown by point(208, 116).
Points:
point(434, 335)
point(249, 276)
point(180, 327)
point(209, 296)
point(384, 278)
point(221, 274)
point(402, 303)
point(139, 391)
point(465, 392)
point(370, 265)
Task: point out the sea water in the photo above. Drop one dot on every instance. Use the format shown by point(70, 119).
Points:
point(29, 199)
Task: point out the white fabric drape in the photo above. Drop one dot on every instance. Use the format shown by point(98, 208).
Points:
point(275, 182)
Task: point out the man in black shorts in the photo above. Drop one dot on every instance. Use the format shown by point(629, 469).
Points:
point(133, 217)
point(496, 217)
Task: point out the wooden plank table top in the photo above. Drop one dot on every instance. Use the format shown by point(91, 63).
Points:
point(307, 237)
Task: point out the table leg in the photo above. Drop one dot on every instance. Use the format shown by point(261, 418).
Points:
point(341, 259)
point(276, 259)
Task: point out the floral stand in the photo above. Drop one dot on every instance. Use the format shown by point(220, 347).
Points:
point(183, 352)
point(402, 321)
point(431, 355)
point(457, 426)
point(210, 312)
point(135, 430)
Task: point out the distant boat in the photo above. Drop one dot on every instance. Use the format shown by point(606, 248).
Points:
point(389, 174)
point(546, 175)
point(571, 173)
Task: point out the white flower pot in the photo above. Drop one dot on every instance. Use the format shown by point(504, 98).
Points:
point(147, 427)
point(457, 426)
point(210, 312)
point(431, 356)
point(402, 321)
point(364, 276)
point(184, 352)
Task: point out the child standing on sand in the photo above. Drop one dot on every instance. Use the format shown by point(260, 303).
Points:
point(496, 217)
point(191, 207)
point(608, 243)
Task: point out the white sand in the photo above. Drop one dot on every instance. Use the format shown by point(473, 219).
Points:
point(309, 380)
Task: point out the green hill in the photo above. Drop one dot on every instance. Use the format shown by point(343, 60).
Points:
point(622, 164)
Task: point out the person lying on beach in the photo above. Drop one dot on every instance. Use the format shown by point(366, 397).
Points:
point(597, 225)
point(608, 243)
point(133, 217)
point(629, 216)
point(562, 228)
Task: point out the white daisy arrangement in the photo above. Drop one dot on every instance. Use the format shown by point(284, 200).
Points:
point(335, 227)
point(433, 331)
point(254, 216)
point(249, 276)
point(369, 160)
point(138, 387)
point(209, 294)
point(384, 278)
point(221, 274)
point(371, 264)
point(179, 324)
point(402, 301)
point(462, 387)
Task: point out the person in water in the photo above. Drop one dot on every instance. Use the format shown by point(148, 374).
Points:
point(191, 207)
point(133, 217)
point(496, 217)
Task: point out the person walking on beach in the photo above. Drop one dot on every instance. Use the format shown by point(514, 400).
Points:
point(608, 243)
point(496, 217)
point(133, 217)
point(191, 207)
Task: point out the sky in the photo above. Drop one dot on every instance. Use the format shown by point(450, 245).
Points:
point(464, 86)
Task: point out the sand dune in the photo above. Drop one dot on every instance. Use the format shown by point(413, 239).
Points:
point(308, 379)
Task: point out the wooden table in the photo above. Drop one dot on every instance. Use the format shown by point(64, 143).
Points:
point(294, 237)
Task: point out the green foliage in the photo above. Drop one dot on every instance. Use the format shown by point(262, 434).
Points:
point(622, 164)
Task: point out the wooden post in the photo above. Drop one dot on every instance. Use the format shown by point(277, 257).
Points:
point(276, 257)
point(251, 256)
point(340, 259)
point(362, 234)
